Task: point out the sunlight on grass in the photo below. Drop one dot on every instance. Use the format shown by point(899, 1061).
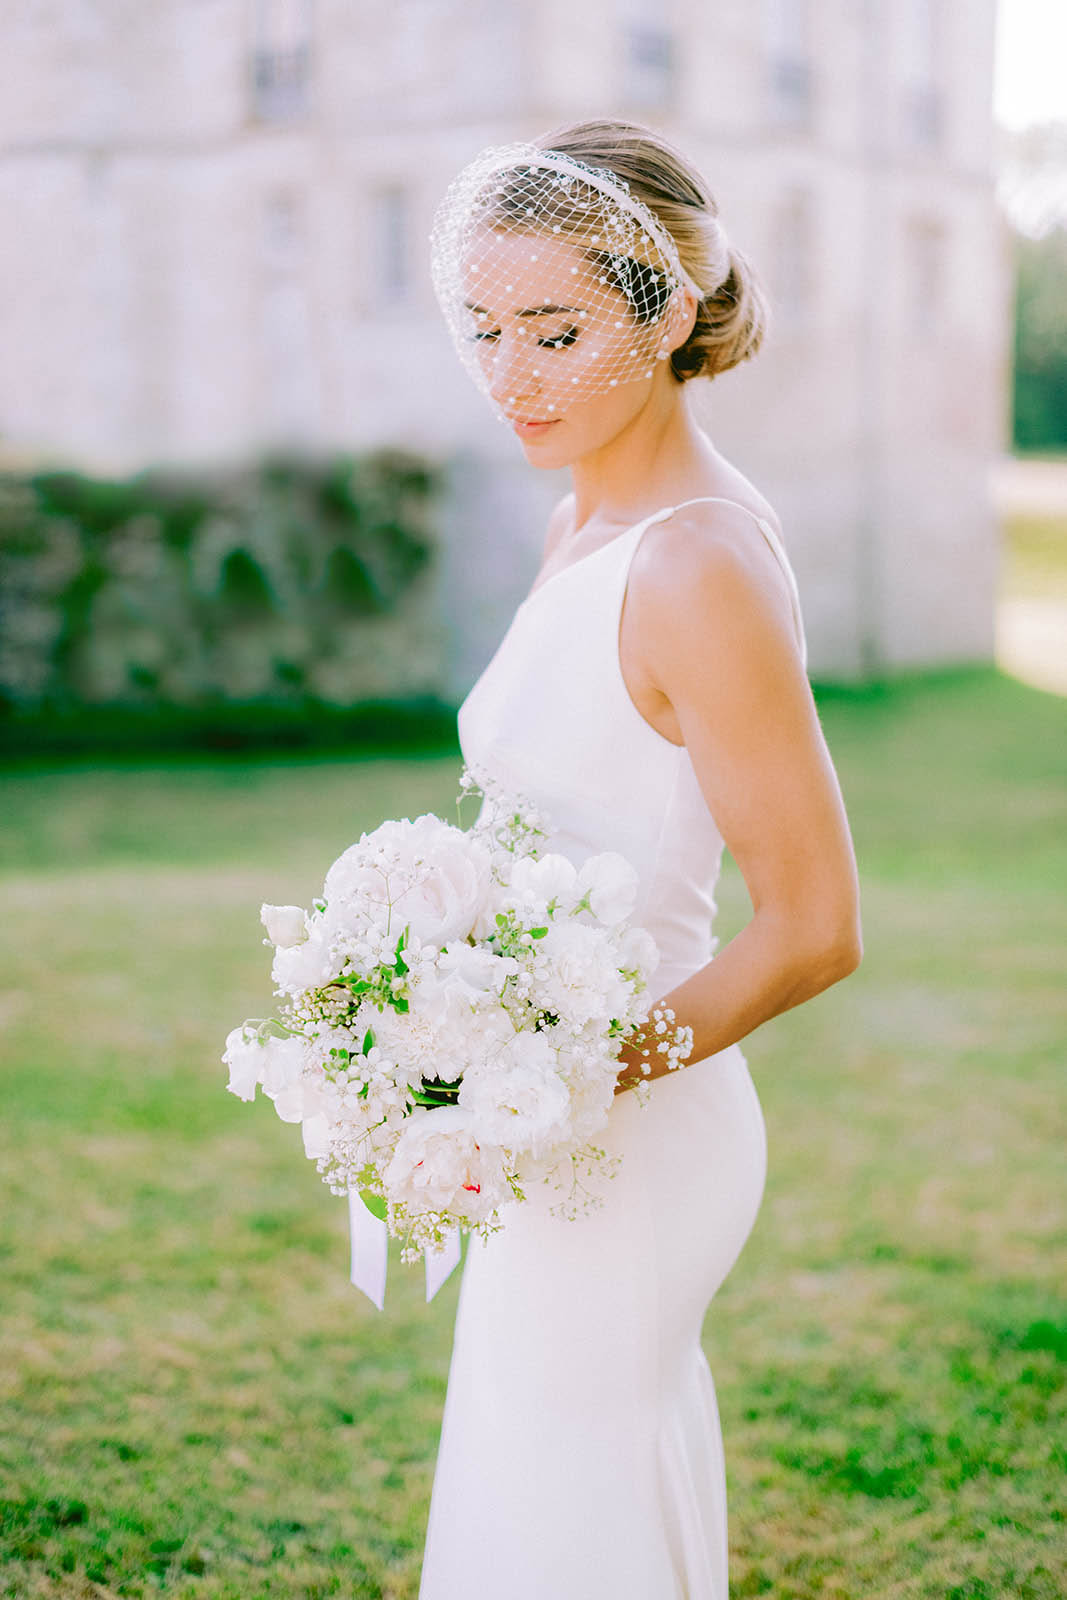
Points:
point(198, 1404)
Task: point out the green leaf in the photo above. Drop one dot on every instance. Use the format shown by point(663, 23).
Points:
point(401, 964)
point(399, 1003)
point(368, 1041)
point(501, 920)
point(537, 933)
point(375, 1204)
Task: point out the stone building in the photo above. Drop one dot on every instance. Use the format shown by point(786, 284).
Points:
point(215, 218)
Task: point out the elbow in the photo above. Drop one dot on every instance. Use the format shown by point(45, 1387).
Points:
point(842, 953)
point(835, 951)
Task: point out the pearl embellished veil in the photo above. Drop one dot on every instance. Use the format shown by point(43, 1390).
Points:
point(557, 284)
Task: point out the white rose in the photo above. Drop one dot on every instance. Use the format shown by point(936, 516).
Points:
point(244, 1057)
point(438, 1165)
point(285, 925)
point(611, 883)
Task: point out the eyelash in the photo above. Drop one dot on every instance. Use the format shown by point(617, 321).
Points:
point(568, 337)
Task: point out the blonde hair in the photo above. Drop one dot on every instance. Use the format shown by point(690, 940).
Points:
point(732, 314)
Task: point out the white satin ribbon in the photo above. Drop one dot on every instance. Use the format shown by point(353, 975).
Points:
point(370, 1254)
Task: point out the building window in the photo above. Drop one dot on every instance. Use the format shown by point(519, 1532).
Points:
point(790, 83)
point(391, 225)
point(281, 59)
point(923, 100)
point(793, 259)
point(648, 78)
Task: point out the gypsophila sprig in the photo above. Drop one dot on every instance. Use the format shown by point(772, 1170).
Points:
point(451, 1010)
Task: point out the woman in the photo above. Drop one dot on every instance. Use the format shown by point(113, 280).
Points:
point(650, 695)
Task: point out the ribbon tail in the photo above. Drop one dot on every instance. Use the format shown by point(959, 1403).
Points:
point(370, 1250)
point(439, 1263)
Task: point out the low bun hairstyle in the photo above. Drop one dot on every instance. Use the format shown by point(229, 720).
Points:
point(731, 317)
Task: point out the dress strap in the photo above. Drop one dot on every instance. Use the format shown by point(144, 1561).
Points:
point(777, 548)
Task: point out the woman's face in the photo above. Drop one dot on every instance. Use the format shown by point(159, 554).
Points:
point(556, 346)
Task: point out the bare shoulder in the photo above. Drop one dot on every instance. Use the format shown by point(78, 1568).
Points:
point(712, 562)
point(561, 518)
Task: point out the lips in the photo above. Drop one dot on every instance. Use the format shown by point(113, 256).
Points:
point(531, 425)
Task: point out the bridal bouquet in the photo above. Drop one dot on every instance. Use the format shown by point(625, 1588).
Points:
point(452, 1009)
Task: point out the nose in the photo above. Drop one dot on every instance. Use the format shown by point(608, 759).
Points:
point(513, 374)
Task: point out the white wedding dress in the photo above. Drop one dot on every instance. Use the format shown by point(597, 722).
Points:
point(581, 1454)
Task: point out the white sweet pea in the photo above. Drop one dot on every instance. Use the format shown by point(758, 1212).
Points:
point(309, 965)
point(244, 1056)
point(285, 925)
point(542, 879)
point(611, 883)
point(316, 1132)
point(637, 948)
point(282, 1076)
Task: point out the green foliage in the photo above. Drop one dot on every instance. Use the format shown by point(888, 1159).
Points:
point(157, 604)
point(1040, 397)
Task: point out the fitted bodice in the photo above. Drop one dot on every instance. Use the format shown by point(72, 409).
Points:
point(551, 717)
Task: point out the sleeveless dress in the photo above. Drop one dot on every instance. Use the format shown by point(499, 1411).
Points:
point(581, 1453)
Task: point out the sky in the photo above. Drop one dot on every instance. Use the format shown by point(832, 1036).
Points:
point(1030, 83)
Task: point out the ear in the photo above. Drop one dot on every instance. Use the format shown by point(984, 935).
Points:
point(679, 321)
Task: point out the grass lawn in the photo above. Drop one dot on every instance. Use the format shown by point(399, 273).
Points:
point(196, 1402)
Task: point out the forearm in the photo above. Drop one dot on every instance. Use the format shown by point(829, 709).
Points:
point(762, 972)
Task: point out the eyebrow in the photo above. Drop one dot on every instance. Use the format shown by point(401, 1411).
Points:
point(531, 311)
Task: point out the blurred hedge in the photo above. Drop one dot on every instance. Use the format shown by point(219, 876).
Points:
point(276, 603)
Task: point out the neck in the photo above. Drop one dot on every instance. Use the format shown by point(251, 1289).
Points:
point(662, 454)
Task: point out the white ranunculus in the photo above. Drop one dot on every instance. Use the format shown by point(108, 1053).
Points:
point(611, 883)
point(438, 1165)
point(518, 1100)
point(426, 873)
point(285, 925)
point(244, 1056)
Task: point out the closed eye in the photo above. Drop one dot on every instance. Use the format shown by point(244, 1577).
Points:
point(558, 342)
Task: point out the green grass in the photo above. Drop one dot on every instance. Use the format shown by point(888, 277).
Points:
point(195, 1401)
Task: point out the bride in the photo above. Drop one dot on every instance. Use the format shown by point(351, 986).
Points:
point(650, 695)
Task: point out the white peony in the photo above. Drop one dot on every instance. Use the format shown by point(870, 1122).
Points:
point(285, 925)
point(611, 883)
point(438, 1165)
point(518, 1100)
point(579, 979)
point(309, 965)
point(425, 873)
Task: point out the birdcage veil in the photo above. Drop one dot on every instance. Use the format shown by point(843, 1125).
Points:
point(556, 282)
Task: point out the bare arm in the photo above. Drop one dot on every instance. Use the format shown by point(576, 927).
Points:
point(721, 648)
